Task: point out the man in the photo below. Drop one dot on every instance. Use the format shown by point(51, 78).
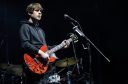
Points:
point(32, 38)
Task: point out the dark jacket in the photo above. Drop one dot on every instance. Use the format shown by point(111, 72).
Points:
point(32, 37)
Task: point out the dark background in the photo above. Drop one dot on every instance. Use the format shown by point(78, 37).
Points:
point(104, 22)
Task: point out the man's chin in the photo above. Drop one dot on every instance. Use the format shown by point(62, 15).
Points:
point(38, 18)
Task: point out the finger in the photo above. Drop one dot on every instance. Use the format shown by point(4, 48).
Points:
point(48, 58)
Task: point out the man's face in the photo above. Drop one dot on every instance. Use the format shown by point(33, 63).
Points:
point(37, 14)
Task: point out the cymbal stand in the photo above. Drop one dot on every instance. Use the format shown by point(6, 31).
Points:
point(68, 77)
point(4, 41)
point(2, 77)
point(75, 57)
point(68, 74)
point(21, 78)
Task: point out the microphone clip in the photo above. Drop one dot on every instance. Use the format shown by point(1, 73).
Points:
point(76, 29)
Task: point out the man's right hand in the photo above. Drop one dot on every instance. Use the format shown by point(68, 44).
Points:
point(42, 54)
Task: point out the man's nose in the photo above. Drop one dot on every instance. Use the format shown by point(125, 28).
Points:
point(40, 12)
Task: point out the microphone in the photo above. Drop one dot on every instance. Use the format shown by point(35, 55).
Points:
point(75, 28)
point(69, 18)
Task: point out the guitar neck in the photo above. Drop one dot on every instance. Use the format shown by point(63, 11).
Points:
point(58, 47)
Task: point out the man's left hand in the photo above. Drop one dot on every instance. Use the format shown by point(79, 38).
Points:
point(67, 43)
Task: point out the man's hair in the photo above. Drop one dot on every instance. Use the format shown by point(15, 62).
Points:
point(33, 6)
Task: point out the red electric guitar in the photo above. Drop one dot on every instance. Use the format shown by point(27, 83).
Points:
point(39, 67)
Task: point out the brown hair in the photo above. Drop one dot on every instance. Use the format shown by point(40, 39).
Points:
point(33, 6)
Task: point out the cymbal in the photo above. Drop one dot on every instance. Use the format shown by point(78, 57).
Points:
point(13, 69)
point(5, 65)
point(66, 62)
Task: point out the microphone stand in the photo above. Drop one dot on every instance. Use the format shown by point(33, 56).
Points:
point(89, 42)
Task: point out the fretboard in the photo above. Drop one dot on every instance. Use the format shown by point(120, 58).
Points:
point(58, 47)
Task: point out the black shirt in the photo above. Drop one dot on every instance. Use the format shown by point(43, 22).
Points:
point(32, 37)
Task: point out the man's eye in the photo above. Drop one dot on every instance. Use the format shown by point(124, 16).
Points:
point(37, 10)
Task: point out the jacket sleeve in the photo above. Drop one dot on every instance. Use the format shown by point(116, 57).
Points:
point(25, 40)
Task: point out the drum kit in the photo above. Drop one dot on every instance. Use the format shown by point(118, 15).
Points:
point(63, 73)
point(12, 69)
point(17, 71)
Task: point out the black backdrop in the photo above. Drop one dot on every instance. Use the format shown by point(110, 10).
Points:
point(103, 21)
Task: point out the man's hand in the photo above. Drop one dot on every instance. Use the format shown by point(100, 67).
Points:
point(67, 43)
point(42, 54)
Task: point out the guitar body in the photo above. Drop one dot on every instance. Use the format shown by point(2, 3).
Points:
point(35, 65)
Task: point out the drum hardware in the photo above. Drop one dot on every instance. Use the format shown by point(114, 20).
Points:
point(55, 78)
point(51, 76)
point(50, 79)
point(11, 74)
point(68, 77)
point(2, 75)
point(61, 70)
point(7, 78)
point(80, 79)
point(66, 63)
